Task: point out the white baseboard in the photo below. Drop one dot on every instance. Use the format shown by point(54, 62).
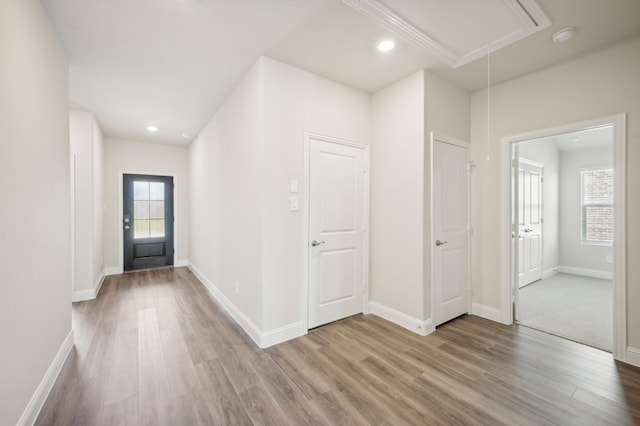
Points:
point(421, 327)
point(633, 356)
point(603, 275)
point(262, 339)
point(113, 270)
point(89, 294)
point(282, 334)
point(487, 312)
point(180, 263)
point(548, 273)
point(39, 397)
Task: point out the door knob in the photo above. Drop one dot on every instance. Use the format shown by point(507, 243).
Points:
point(440, 243)
point(317, 243)
point(528, 230)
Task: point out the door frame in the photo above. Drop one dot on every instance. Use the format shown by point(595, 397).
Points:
point(306, 214)
point(121, 174)
point(618, 123)
point(464, 144)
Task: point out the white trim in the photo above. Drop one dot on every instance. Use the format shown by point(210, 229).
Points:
point(306, 209)
point(532, 20)
point(39, 397)
point(530, 162)
point(89, 294)
point(603, 275)
point(243, 321)
point(282, 334)
point(619, 275)
point(72, 198)
point(421, 327)
point(633, 356)
point(176, 221)
point(548, 273)
point(486, 312)
point(113, 270)
point(620, 237)
point(260, 338)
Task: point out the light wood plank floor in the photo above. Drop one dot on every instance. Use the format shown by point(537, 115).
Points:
point(154, 348)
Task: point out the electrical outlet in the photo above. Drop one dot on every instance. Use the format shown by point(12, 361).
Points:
point(237, 287)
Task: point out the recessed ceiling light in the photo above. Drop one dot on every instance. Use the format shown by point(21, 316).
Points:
point(185, 135)
point(152, 128)
point(386, 45)
point(563, 35)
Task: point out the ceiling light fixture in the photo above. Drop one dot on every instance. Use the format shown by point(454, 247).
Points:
point(185, 135)
point(386, 45)
point(563, 35)
point(152, 128)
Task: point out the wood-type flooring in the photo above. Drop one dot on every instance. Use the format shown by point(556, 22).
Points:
point(155, 349)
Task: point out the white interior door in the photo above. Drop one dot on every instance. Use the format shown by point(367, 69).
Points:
point(529, 222)
point(337, 226)
point(450, 234)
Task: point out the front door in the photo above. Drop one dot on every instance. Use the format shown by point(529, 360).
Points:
point(450, 235)
point(147, 221)
point(337, 221)
point(529, 222)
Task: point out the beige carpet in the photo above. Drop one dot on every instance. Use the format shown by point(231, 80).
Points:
point(571, 306)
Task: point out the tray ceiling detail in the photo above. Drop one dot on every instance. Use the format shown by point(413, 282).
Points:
point(456, 32)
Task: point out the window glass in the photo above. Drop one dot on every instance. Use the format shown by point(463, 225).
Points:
point(148, 209)
point(597, 205)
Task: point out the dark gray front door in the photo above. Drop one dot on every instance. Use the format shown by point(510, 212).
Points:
point(147, 221)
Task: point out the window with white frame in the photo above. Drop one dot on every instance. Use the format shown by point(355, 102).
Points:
point(597, 205)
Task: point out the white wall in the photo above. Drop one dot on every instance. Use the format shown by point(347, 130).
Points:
point(403, 117)
point(226, 198)
point(397, 197)
point(573, 253)
point(35, 255)
point(597, 85)
point(447, 113)
point(86, 143)
point(296, 101)
point(241, 166)
point(145, 158)
point(545, 151)
point(98, 204)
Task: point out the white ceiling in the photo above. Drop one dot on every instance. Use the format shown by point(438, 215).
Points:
point(583, 139)
point(172, 63)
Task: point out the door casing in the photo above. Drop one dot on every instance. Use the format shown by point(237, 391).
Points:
point(306, 199)
point(508, 281)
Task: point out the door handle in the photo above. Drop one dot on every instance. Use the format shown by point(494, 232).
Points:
point(316, 243)
point(440, 243)
point(127, 227)
point(528, 230)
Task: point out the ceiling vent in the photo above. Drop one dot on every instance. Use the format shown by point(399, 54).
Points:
point(456, 32)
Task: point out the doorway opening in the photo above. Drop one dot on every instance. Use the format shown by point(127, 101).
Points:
point(147, 221)
point(566, 232)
